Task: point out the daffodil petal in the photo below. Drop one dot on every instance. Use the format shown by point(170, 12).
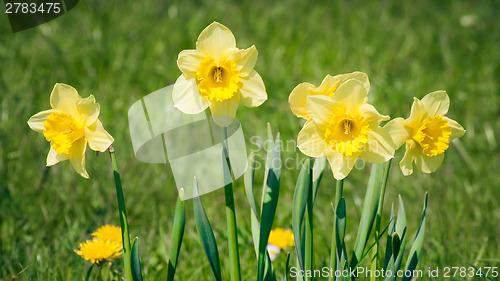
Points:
point(223, 112)
point(437, 103)
point(321, 109)
point(77, 157)
point(214, 39)
point(88, 110)
point(64, 98)
point(298, 99)
point(186, 96)
point(310, 142)
point(341, 165)
point(417, 114)
point(189, 62)
point(406, 164)
point(360, 76)
point(351, 93)
point(54, 158)
point(372, 115)
point(456, 129)
point(253, 93)
point(428, 164)
point(379, 148)
point(328, 86)
point(36, 122)
point(245, 59)
point(398, 132)
point(98, 138)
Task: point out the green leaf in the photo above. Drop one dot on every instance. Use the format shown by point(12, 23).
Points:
point(340, 229)
point(287, 265)
point(369, 211)
point(391, 230)
point(207, 237)
point(394, 264)
point(317, 174)
point(269, 204)
point(401, 222)
point(249, 180)
point(135, 263)
point(396, 245)
point(416, 248)
point(299, 207)
point(177, 235)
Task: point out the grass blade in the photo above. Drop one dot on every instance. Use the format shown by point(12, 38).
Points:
point(177, 235)
point(135, 263)
point(207, 237)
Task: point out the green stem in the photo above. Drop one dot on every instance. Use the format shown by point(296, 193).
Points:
point(123, 216)
point(376, 262)
point(234, 258)
point(339, 191)
point(309, 239)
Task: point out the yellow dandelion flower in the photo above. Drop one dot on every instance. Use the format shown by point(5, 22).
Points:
point(427, 133)
point(298, 97)
point(345, 127)
point(218, 75)
point(97, 251)
point(282, 238)
point(69, 126)
point(108, 233)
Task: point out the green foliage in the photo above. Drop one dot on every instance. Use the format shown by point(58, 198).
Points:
point(135, 261)
point(177, 235)
point(207, 237)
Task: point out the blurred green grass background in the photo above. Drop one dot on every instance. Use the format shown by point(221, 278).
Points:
point(121, 51)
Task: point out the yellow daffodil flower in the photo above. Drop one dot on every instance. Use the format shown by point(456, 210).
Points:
point(97, 251)
point(427, 133)
point(298, 97)
point(108, 232)
point(69, 126)
point(218, 75)
point(344, 128)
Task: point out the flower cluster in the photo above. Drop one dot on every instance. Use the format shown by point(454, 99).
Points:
point(106, 244)
point(343, 126)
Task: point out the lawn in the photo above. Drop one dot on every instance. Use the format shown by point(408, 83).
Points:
point(120, 51)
